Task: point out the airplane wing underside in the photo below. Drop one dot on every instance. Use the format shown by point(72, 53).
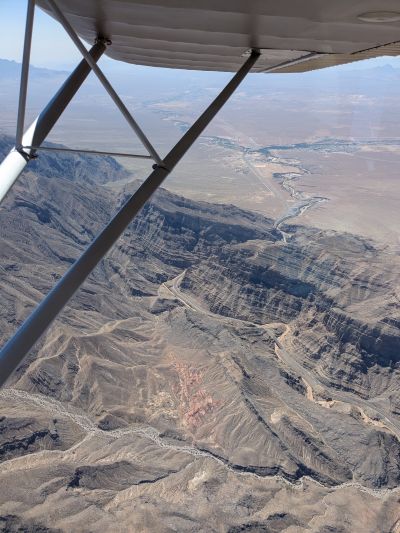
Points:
point(293, 35)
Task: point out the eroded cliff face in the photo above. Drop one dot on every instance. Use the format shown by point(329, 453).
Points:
point(336, 292)
point(208, 375)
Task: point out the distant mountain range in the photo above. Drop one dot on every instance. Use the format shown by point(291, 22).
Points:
point(11, 70)
point(89, 169)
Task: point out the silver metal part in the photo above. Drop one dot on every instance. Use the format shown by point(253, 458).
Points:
point(93, 152)
point(104, 81)
point(18, 347)
point(17, 159)
point(25, 73)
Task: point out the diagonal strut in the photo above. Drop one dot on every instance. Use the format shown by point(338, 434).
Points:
point(18, 347)
point(104, 81)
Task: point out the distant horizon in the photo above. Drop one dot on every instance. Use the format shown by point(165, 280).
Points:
point(118, 66)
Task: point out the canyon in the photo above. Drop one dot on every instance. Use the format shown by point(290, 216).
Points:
point(212, 374)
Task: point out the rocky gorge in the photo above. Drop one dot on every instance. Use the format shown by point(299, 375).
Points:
point(209, 376)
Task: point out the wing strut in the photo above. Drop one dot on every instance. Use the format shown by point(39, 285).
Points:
point(17, 348)
point(25, 148)
point(25, 72)
point(27, 144)
point(104, 81)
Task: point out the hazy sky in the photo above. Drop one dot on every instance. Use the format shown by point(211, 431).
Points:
point(52, 48)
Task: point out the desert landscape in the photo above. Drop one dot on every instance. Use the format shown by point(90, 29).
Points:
point(216, 372)
point(234, 363)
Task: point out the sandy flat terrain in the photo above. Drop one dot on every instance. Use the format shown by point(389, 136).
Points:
point(362, 190)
